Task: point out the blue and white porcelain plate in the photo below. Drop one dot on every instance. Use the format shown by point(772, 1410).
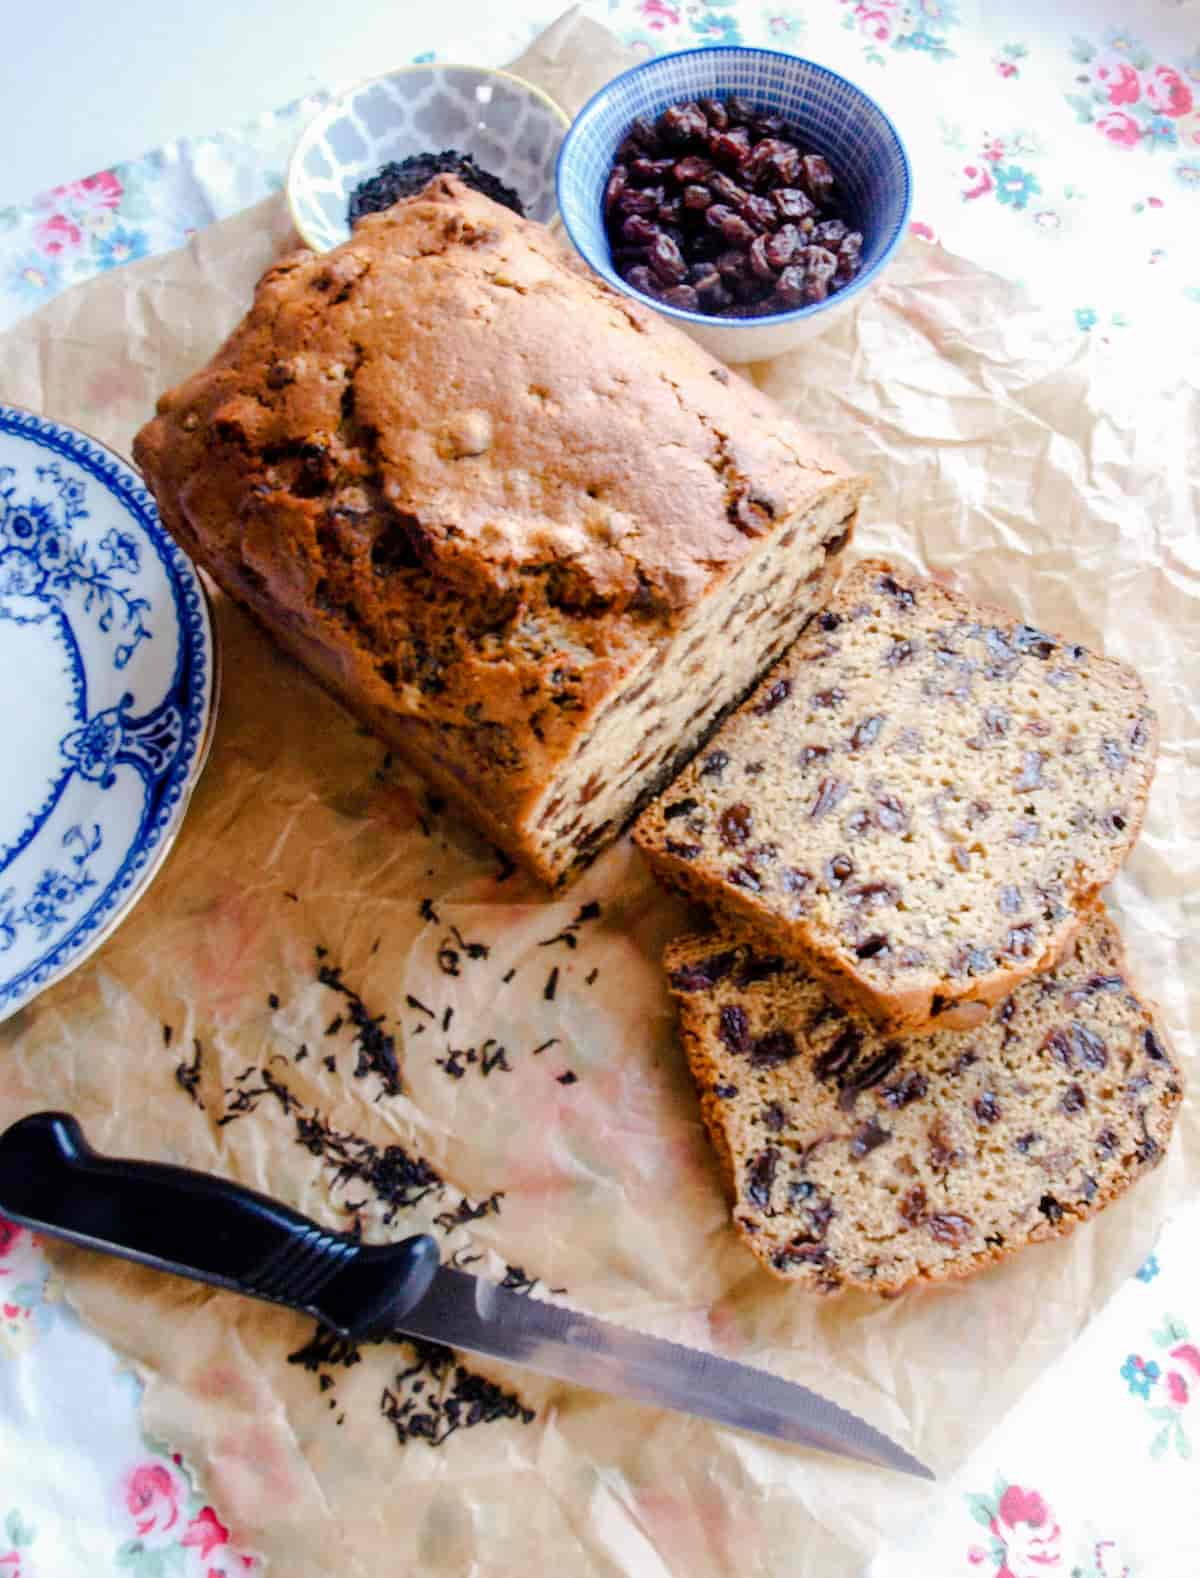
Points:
point(106, 692)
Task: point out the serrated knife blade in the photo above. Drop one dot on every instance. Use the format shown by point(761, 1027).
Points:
point(467, 1312)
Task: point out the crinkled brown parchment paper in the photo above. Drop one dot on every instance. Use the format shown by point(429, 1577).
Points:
point(1022, 464)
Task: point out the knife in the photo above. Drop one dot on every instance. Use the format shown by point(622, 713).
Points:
point(197, 1225)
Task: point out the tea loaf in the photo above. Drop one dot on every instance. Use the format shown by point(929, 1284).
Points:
point(859, 1161)
point(917, 802)
point(529, 532)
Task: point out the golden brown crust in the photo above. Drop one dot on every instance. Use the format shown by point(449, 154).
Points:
point(953, 979)
point(476, 489)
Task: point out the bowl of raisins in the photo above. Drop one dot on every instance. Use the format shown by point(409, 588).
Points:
point(748, 195)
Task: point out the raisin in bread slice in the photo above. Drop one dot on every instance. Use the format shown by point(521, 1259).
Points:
point(859, 1161)
point(917, 803)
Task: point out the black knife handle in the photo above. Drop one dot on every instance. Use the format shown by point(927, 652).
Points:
point(197, 1225)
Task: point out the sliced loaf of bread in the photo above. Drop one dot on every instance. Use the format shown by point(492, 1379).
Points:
point(917, 803)
point(856, 1161)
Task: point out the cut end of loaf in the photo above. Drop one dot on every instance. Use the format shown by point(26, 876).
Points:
point(856, 1161)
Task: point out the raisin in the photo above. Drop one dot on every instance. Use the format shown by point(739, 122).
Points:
point(873, 946)
point(829, 620)
point(869, 1074)
point(681, 296)
point(777, 1046)
point(800, 1254)
point(868, 1137)
point(837, 1058)
point(715, 114)
point(691, 169)
point(730, 148)
point(775, 697)
point(1030, 776)
point(780, 248)
point(1026, 639)
point(680, 123)
point(1058, 1044)
point(734, 1028)
point(1154, 1047)
point(1050, 1208)
point(839, 870)
point(987, 1108)
point(760, 969)
point(725, 1091)
point(1025, 1142)
point(1073, 1099)
point(745, 876)
point(1091, 1049)
point(762, 1177)
point(1020, 942)
point(1113, 823)
point(679, 808)
point(913, 1204)
point(790, 287)
point(830, 794)
point(817, 178)
point(909, 1088)
point(867, 894)
point(912, 958)
point(735, 823)
point(792, 205)
point(866, 732)
point(899, 652)
point(699, 977)
point(1138, 735)
point(810, 754)
point(681, 851)
point(1090, 1187)
point(890, 815)
point(829, 698)
point(942, 1150)
point(793, 880)
point(714, 764)
point(900, 595)
point(1010, 899)
point(949, 1227)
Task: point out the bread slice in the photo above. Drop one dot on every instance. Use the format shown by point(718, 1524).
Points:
point(528, 531)
point(856, 1161)
point(917, 803)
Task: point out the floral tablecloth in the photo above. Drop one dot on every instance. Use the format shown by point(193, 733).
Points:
point(1060, 149)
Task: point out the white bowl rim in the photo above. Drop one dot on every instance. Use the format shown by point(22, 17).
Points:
point(305, 139)
point(794, 314)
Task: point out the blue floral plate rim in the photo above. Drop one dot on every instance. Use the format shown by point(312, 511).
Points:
point(168, 746)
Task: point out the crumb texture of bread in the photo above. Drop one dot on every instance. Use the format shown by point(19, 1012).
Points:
point(856, 1161)
point(918, 803)
point(529, 532)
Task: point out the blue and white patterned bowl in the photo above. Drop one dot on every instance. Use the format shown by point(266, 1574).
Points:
point(508, 126)
point(107, 691)
point(832, 117)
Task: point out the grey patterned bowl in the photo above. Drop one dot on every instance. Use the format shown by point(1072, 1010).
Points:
point(509, 127)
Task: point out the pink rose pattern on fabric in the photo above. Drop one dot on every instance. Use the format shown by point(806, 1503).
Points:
point(172, 1529)
point(1024, 1540)
point(1165, 1385)
point(16, 1536)
point(1134, 101)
